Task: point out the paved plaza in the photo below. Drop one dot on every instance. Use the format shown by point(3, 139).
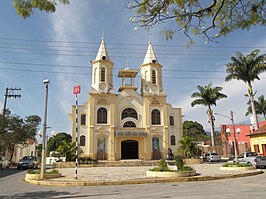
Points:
point(116, 174)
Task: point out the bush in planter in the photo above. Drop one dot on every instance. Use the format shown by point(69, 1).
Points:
point(237, 165)
point(81, 160)
point(32, 171)
point(162, 167)
point(181, 165)
point(53, 171)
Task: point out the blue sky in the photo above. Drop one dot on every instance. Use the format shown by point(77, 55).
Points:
point(65, 42)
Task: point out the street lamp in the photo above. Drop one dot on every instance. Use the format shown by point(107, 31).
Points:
point(43, 161)
point(228, 130)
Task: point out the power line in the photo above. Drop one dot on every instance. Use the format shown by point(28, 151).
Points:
point(89, 74)
point(116, 68)
point(116, 43)
point(111, 52)
point(133, 57)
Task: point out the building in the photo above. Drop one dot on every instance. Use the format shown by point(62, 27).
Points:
point(258, 140)
point(27, 149)
point(242, 139)
point(128, 124)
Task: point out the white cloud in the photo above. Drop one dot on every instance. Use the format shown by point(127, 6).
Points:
point(235, 101)
point(67, 25)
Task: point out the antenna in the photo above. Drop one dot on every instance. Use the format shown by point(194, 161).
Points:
point(103, 33)
point(149, 34)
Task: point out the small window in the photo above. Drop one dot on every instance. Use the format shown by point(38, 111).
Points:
point(102, 74)
point(129, 124)
point(172, 140)
point(82, 140)
point(257, 148)
point(153, 76)
point(171, 118)
point(102, 116)
point(155, 117)
point(83, 120)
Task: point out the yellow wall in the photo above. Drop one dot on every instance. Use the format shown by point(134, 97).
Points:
point(257, 140)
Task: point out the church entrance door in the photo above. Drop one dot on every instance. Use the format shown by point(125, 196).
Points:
point(130, 149)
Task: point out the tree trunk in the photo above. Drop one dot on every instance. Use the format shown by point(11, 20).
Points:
point(12, 148)
point(253, 107)
point(212, 126)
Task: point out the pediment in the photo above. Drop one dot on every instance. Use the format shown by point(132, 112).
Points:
point(155, 102)
point(102, 130)
point(102, 101)
point(156, 130)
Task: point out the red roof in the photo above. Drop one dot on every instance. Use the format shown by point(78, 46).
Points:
point(261, 130)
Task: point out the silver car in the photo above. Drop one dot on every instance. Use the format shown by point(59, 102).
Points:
point(212, 157)
point(28, 162)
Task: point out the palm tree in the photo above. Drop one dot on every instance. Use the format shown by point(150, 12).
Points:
point(188, 148)
point(260, 107)
point(247, 68)
point(208, 96)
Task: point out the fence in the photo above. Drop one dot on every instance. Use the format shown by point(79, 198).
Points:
point(225, 150)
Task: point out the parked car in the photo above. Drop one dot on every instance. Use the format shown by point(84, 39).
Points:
point(28, 162)
point(4, 163)
point(260, 162)
point(212, 157)
point(247, 158)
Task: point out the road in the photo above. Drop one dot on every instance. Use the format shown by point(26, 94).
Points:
point(12, 186)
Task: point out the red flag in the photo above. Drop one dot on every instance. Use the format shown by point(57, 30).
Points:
point(76, 90)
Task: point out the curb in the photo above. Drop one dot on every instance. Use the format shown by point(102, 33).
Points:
point(140, 181)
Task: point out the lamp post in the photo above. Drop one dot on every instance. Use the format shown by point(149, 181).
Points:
point(228, 130)
point(43, 161)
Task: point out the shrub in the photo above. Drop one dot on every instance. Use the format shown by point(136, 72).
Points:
point(179, 162)
point(32, 171)
point(236, 165)
point(186, 168)
point(53, 171)
point(162, 166)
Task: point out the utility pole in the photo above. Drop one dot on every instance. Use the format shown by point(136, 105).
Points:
point(10, 94)
point(43, 161)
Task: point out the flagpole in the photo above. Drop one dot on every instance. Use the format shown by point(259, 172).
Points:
point(76, 168)
point(76, 92)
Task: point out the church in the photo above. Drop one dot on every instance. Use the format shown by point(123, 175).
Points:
point(127, 124)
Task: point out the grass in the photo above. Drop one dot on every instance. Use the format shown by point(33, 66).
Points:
point(53, 171)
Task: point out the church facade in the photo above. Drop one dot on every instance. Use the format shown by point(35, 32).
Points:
point(128, 124)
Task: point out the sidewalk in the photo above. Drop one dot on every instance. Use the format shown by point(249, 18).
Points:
point(136, 175)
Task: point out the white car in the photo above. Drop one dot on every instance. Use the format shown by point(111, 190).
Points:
point(4, 163)
point(212, 157)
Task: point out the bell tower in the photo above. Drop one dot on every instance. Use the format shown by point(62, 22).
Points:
point(102, 72)
point(151, 74)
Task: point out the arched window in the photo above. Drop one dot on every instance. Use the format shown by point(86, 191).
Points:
point(155, 117)
point(171, 118)
point(102, 74)
point(129, 112)
point(83, 120)
point(94, 77)
point(82, 140)
point(102, 116)
point(129, 124)
point(172, 140)
point(146, 75)
point(153, 76)
point(155, 144)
